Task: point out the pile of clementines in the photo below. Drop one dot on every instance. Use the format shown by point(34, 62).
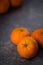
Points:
point(27, 44)
point(5, 4)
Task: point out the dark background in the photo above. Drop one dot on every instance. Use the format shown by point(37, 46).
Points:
point(30, 15)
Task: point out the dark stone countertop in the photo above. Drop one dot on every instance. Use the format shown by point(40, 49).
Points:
point(30, 15)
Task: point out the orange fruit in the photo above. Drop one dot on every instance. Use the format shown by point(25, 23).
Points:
point(38, 35)
point(27, 47)
point(4, 5)
point(17, 34)
point(16, 3)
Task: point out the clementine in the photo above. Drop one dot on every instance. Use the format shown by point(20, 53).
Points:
point(4, 5)
point(16, 3)
point(27, 47)
point(17, 34)
point(38, 35)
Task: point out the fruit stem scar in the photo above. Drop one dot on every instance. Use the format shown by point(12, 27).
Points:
point(25, 44)
point(41, 33)
point(21, 30)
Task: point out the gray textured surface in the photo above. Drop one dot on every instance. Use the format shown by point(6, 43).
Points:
point(29, 16)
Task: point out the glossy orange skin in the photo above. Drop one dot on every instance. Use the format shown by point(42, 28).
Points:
point(38, 35)
point(27, 48)
point(16, 3)
point(4, 5)
point(17, 35)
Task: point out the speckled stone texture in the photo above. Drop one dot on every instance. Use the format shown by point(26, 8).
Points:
point(30, 15)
